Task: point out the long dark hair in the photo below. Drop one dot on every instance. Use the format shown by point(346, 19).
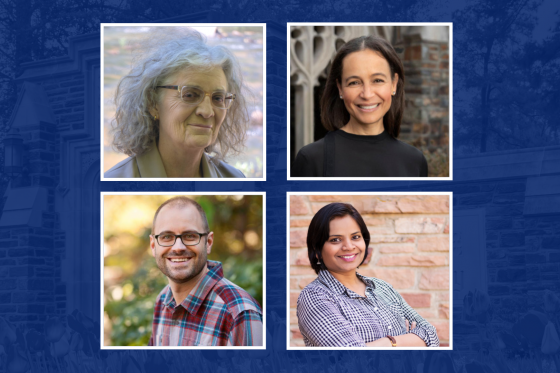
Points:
point(318, 232)
point(333, 112)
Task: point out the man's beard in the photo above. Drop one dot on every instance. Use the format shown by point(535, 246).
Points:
point(193, 267)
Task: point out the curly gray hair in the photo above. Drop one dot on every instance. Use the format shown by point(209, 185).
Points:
point(165, 52)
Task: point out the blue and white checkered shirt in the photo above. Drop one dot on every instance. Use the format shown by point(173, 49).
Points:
point(331, 315)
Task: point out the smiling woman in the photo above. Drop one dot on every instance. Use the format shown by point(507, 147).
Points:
point(342, 308)
point(181, 110)
point(362, 108)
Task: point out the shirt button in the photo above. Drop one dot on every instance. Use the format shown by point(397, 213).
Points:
point(375, 308)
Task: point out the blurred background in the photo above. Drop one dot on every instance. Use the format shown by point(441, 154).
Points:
point(131, 278)
point(424, 52)
point(119, 44)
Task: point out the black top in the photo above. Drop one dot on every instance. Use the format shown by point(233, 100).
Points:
point(341, 154)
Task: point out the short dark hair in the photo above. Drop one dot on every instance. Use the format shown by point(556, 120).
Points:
point(318, 232)
point(333, 112)
point(183, 201)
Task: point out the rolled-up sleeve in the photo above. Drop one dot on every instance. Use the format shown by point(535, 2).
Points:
point(247, 329)
point(321, 322)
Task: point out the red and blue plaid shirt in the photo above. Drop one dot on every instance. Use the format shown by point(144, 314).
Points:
point(215, 313)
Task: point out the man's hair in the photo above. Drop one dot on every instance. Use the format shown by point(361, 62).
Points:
point(334, 114)
point(181, 201)
point(318, 232)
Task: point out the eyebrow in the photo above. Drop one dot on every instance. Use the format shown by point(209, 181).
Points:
point(357, 77)
point(199, 87)
point(183, 232)
point(333, 235)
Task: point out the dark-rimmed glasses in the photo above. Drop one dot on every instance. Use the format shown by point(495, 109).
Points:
point(195, 95)
point(188, 238)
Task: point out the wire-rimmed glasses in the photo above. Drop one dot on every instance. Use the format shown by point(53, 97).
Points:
point(194, 96)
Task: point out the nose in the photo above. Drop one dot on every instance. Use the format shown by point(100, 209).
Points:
point(347, 244)
point(205, 109)
point(367, 91)
point(178, 245)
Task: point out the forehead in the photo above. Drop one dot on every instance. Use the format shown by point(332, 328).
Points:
point(208, 79)
point(365, 63)
point(344, 224)
point(178, 218)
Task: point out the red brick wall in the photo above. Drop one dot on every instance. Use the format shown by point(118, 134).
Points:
point(410, 241)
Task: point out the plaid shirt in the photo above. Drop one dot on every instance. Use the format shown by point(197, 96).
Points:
point(215, 313)
point(331, 315)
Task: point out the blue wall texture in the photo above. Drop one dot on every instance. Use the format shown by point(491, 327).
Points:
point(506, 186)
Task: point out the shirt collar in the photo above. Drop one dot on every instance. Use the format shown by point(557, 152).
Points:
point(151, 165)
point(198, 294)
point(336, 286)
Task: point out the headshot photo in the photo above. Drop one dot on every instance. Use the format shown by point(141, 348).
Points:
point(182, 102)
point(370, 101)
point(182, 271)
point(369, 270)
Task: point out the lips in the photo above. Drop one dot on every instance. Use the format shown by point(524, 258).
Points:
point(179, 259)
point(348, 257)
point(370, 107)
point(205, 126)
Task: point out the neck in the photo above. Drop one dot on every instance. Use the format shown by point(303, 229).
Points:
point(182, 290)
point(364, 129)
point(180, 162)
point(348, 279)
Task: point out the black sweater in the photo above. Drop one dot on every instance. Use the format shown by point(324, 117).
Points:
point(351, 155)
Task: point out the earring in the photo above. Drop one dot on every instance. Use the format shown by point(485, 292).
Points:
point(340, 96)
point(318, 262)
point(394, 93)
point(156, 117)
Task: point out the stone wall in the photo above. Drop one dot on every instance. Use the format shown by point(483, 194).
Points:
point(426, 115)
point(410, 241)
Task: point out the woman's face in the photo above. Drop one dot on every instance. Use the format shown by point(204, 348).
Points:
point(345, 248)
point(191, 126)
point(366, 86)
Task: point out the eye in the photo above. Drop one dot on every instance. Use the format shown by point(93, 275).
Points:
point(219, 97)
point(356, 237)
point(190, 236)
point(166, 237)
point(334, 240)
point(378, 81)
point(354, 82)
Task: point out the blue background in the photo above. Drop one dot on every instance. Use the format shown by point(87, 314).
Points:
point(506, 169)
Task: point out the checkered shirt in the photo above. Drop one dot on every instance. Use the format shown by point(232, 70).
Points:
point(215, 313)
point(331, 315)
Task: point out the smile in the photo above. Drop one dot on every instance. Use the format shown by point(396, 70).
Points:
point(348, 258)
point(368, 107)
point(178, 260)
point(207, 126)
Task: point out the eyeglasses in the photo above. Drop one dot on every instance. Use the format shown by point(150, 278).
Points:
point(188, 238)
point(194, 96)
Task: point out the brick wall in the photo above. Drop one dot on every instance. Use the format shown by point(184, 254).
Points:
point(426, 115)
point(410, 241)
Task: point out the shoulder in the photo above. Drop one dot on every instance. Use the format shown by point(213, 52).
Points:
point(315, 292)
point(236, 300)
point(126, 168)
point(309, 159)
point(386, 290)
point(409, 151)
point(226, 170)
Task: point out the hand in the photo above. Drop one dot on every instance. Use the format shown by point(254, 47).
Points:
point(409, 326)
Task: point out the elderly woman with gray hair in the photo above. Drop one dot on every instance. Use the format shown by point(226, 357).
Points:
point(180, 110)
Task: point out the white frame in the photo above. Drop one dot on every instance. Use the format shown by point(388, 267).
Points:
point(102, 265)
point(449, 194)
point(102, 75)
point(288, 37)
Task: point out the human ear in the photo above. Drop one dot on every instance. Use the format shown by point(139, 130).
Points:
point(209, 242)
point(339, 89)
point(395, 82)
point(153, 245)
